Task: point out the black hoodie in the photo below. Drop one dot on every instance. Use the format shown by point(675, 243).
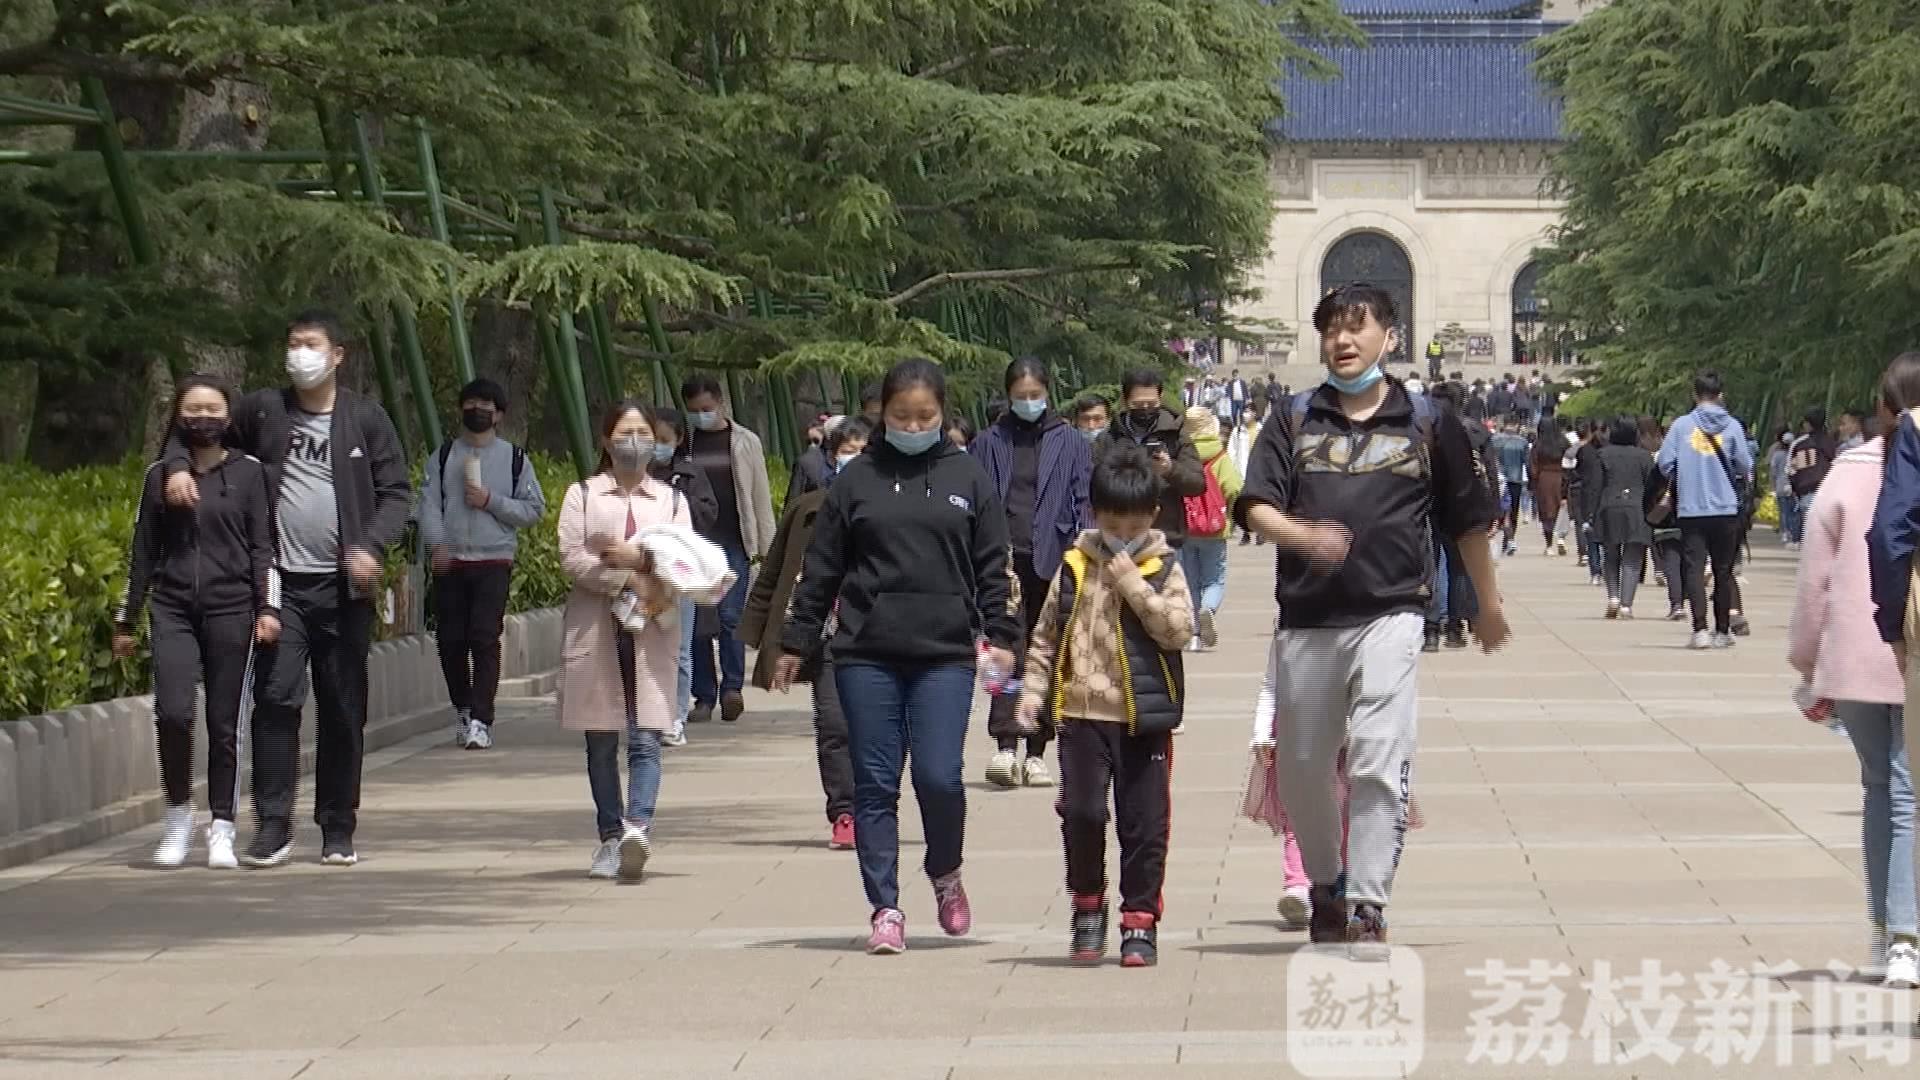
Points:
point(914, 547)
point(215, 558)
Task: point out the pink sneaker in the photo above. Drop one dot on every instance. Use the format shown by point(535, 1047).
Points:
point(956, 916)
point(889, 937)
point(842, 838)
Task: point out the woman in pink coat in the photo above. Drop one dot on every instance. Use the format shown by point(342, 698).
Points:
point(1835, 646)
point(612, 679)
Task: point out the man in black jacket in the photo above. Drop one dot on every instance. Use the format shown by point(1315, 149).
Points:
point(1348, 485)
point(339, 478)
point(1143, 421)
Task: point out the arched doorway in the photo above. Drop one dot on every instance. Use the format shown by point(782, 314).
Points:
point(1533, 343)
point(1377, 259)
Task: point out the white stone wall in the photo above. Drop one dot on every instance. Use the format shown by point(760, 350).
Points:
point(1469, 218)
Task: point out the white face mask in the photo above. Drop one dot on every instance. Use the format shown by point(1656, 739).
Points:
point(308, 367)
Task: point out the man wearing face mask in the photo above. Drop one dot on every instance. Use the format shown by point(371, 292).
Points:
point(339, 480)
point(736, 468)
point(1143, 422)
point(476, 495)
point(1349, 482)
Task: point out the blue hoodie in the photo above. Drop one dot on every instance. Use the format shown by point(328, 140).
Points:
point(1688, 460)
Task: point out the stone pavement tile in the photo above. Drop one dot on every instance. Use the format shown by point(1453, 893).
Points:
point(1556, 767)
point(1785, 765)
point(1764, 862)
point(1632, 731)
point(1181, 1071)
point(132, 1069)
point(1557, 865)
point(1708, 812)
point(1458, 864)
point(1632, 766)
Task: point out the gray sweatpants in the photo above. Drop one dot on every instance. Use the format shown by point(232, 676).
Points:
point(1353, 687)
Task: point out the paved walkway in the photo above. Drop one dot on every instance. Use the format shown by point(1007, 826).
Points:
point(1596, 796)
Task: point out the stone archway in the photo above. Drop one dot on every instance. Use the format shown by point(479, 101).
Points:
point(1378, 259)
point(1531, 336)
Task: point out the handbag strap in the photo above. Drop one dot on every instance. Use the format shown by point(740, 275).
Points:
point(1714, 441)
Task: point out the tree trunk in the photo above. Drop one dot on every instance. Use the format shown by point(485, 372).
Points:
point(504, 350)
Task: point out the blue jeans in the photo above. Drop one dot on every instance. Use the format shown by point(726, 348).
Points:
point(643, 778)
point(1886, 811)
point(1204, 561)
point(896, 715)
point(684, 668)
point(733, 652)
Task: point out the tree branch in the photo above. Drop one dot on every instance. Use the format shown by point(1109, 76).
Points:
point(687, 247)
point(948, 67)
point(1026, 273)
point(45, 58)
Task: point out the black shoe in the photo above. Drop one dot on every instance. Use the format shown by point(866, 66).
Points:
point(701, 713)
point(336, 849)
point(1432, 643)
point(1456, 635)
point(1367, 934)
point(1740, 627)
point(1139, 940)
point(1089, 933)
point(732, 705)
point(1327, 924)
point(272, 845)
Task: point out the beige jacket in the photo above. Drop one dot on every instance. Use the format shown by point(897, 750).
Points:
point(752, 491)
point(1093, 691)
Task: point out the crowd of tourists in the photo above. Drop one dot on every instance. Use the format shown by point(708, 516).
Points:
point(1066, 558)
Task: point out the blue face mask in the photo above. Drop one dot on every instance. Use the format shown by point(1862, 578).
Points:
point(1365, 380)
point(662, 453)
point(913, 443)
point(705, 421)
point(1028, 409)
point(1122, 547)
point(1090, 434)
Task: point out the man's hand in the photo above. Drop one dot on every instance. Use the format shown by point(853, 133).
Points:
point(1490, 628)
point(1122, 565)
point(266, 630)
point(438, 558)
point(785, 670)
point(1324, 545)
point(123, 644)
point(478, 497)
point(1027, 716)
point(362, 568)
point(1162, 461)
point(182, 489)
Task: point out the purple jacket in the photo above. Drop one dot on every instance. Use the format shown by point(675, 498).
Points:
point(1060, 490)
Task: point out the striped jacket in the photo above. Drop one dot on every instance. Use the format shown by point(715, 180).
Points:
point(1061, 508)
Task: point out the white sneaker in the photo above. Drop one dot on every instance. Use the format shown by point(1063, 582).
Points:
point(462, 724)
point(1035, 773)
point(1903, 966)
point(220, 854)
point(1560, 545)
point(1701, 639)
point(606, 861)
point(177, 836)
point(1003, 770)
point(1723, 641)
point(479, 736)
point(1296, 907)
point(634, 851)
point(677, 736)
point(1613, 608)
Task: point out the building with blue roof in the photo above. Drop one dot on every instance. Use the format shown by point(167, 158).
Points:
point(1422, 166)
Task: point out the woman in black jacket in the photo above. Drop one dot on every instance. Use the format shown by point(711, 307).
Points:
point(1626, 484)
point(912, 541)
point(672, 466)
point(205, 573)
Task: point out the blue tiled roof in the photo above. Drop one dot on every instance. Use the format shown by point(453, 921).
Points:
point(1426, 82)
point(1440, 9)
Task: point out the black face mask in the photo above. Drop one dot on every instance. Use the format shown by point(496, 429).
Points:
point(203, 431)
point(477, 420)
point(1142, 420)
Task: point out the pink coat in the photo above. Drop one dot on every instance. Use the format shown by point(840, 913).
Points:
point(591, 697)
point(1831, 636)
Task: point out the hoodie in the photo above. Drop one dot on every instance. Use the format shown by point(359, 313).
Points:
point(1183, 480)
point(1074, 664)
point(215, 558)
point(487, 534)
point(1687, 459)
point(915, 549)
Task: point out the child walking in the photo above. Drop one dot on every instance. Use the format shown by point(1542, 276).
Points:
point(1105, 664)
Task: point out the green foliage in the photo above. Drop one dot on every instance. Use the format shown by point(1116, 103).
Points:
point(1740, 195)
point(963, 179)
